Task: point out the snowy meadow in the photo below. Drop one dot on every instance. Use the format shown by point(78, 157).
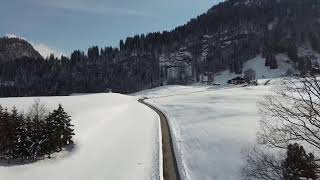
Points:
point(211, 126)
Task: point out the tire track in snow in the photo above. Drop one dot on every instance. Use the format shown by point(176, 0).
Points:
point(170, 167)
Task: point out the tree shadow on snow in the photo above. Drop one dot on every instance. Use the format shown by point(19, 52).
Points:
point(65, 153)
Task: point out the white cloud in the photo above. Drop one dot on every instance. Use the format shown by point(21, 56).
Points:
point(43, 49)
point(94, 8)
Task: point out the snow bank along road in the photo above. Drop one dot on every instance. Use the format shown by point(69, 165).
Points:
point(170, 168)
point(116, 138)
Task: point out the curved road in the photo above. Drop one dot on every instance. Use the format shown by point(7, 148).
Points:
point(170, 167)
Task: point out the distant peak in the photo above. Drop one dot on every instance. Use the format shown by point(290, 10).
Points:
point(13, 36)
point(13, 47)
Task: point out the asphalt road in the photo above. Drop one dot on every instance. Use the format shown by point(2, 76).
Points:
point(170, 167)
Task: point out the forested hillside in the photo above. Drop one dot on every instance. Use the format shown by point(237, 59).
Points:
point(14, 48)
point(225, 37)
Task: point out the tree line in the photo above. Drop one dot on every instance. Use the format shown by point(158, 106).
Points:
point(98, 70)
point(35, 135)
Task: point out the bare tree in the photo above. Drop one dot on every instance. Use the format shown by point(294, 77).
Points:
point(261, 165)
point(292, 115)
point(37, 111)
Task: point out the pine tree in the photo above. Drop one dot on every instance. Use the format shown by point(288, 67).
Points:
point(9, 138)
point(24, 139)
point(293, 52)
point(272, 61)
point(36, 133)
point(60, 123)
point(15, 124)
point(68, 131)
point(3, 132)
point(52, 134)
point(267, 62)
point(7, 135)
point(299, 164)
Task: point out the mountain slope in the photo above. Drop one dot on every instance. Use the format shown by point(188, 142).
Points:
point(16, 48)
point(223, 38)
point(237, 30)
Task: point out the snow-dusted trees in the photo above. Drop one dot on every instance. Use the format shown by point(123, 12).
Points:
point(249, 75)
point(30, 137)
point(60, 128)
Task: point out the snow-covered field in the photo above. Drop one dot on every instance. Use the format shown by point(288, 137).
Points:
point(210, 126)
point(116, 138)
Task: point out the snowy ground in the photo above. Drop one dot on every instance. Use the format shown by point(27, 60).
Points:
point(116, 138)
point(210, 126)
point(262, 72)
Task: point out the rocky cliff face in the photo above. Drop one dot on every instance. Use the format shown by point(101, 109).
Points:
point(15, 48)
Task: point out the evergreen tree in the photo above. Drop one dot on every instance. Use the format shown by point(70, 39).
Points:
point(53, 135)
point(12, 140)
point(24, 140)
point(267, 61)
point(17, 125)
point(293, 53)
point(271, 61)
point(3, 132)
point(60, 122)
point(299, 164)
point(68, 130)
point(37, 136)
point(7, 136)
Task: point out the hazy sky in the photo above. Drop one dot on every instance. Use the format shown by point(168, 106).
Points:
point(66, 25)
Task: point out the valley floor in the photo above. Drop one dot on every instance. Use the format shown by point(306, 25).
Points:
point(210, 127)
point(116, 138)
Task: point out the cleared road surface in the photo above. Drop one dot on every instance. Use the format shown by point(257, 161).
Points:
point(170, 168)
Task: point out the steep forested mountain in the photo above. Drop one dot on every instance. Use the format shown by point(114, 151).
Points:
point(225, 37)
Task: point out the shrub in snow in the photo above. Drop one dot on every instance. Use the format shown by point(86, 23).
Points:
point(28, 138)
